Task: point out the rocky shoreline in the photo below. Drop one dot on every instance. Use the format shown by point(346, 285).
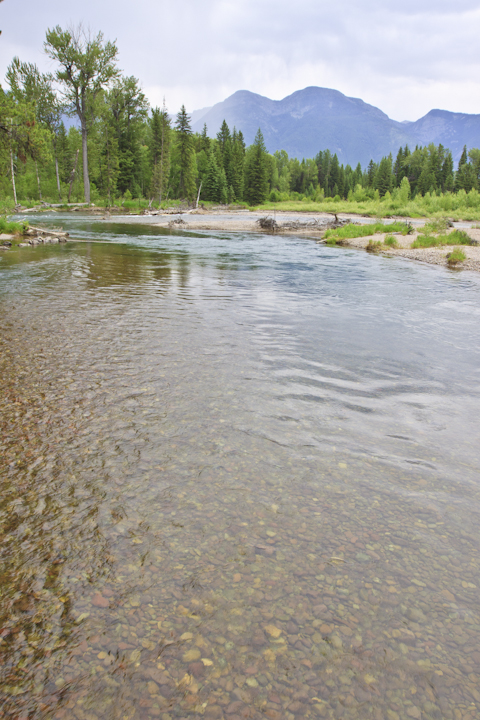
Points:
point(32, 237)
point(431, 255)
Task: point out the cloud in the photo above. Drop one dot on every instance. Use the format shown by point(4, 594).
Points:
point(404, 58)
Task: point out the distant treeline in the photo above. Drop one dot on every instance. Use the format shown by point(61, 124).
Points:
point(123, 149)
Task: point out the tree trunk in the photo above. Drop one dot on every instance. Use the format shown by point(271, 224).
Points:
point(58, 179)
point(72, 176)
point(86, 181)
point(13, 170)
point(199, 191)
point(38, 182)
point(13, 177)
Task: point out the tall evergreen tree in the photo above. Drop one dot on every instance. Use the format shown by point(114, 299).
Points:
point(237, 164)
point(210, 188)
point(463, 158)
point(205, 140)
point(160, 140)
point(186, 155)
point(129, 109)
point(384, 176)
point(256, 181)
point(448, 179)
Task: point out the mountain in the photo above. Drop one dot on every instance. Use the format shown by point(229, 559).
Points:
point(316, 119)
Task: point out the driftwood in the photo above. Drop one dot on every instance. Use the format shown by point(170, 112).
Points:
point(271, 225)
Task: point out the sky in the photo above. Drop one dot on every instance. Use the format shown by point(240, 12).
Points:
point(406, 57)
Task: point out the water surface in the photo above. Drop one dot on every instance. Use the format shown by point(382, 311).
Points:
point(240, 479)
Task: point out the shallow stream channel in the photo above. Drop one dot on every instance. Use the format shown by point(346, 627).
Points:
point(239, 479)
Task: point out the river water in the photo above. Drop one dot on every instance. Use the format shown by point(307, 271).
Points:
point(239, 479)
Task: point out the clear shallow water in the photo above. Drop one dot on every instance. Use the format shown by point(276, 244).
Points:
point(240, 480)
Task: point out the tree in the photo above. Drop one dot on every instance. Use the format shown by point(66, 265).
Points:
point(186, 154)
point(28, 84)
point(87, 67)
point(129, 108)
point(20, 135)
point(463, 158)
point(256, 180)
point(238, 164)
point(211, 185)
point(160, 129)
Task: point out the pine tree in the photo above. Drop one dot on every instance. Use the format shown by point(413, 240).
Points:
point(256, 182)
point(463, 158)
point(210, 189)
point(222, 187)
point(223, 136)
point(383, 181)
point(186, 155)
point(237, 164)
point(160, 141)
point(371, 172)
point(205, 140)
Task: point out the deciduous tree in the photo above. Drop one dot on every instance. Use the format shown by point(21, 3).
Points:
point(87, 66)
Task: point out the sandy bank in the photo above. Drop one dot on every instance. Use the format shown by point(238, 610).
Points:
point(434, 255)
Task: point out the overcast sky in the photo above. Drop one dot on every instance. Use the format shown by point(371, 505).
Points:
point(404, 56)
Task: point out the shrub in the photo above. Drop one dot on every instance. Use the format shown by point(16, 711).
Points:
point(390, 241)
point(425, 241)
point(439, 225)
point(455, 257)
point(12, 227)
point(374, 246)
point(458, 237)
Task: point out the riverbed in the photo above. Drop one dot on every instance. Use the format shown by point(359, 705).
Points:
point(240, 479)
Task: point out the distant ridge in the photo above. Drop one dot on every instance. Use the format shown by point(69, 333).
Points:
point(317, 118)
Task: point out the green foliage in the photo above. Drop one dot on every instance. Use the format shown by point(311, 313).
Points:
point(456, 237)
point(159, 148)
point(374, 246)
point(186, 155)
point(438, 225)
point(256, 182)
point(354, 231)
point(455, 257)
point(87, 66)
point(390, 241)
point(12, 227)
point(125, 146)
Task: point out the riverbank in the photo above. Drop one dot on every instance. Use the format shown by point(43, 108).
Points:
point(315, 225)
point(431, 255)
point(312, 225)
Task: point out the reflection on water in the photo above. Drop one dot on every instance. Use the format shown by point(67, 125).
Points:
point(240, 480)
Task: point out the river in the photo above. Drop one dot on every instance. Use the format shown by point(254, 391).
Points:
point(240, 479)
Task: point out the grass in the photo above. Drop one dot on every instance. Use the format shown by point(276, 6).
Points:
point(12, 228)
point(457, 206)
point(456, 237)
point(455, 257)
point(354, 231)
point(374, 246)
point(390, 241)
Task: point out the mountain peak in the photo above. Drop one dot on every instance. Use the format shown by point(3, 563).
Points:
point(317, 118)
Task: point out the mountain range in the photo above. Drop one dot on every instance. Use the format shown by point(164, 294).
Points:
point(317, 118)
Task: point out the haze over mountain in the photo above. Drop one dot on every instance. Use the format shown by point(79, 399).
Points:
point(317, 118)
